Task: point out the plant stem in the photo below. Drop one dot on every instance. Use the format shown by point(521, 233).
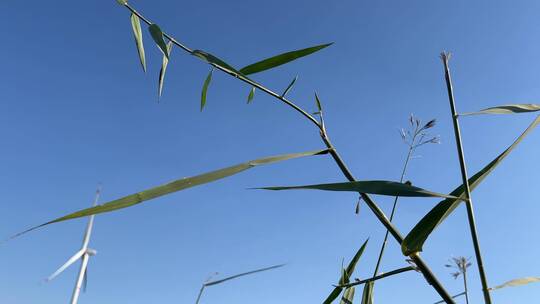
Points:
point(383, 246)
point(465, 178)
point(419, 262)
point(200, 294)
point(422, 266)
point(240, 77)
point(382, 276)
point(465, 286)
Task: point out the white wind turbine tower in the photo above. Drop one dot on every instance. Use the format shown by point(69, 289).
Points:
point(84, 254)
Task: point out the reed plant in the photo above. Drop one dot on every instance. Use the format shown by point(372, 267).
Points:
point(411, 243)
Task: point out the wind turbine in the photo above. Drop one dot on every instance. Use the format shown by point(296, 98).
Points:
point(84, 254)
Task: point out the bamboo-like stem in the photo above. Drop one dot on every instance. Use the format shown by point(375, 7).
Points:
point(422, 266)
point(238, 76)
point(468, 200)
point(378, 277)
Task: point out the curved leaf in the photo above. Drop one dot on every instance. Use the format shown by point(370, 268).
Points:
point(453, 297)
point(370, 187)
point(205, 88)
point(289, 87)
point(177, 185)
point(251, 95)
point(517, 282)
point(157, 35)
point(163, 69)
point(348, 296)
point(346, 275)
point(242, 274)
point(414, 241)
point(213, 59)
point(137, 33)
point(508, 109)
point(280, 59)
point(318, 102)
point(367, 294)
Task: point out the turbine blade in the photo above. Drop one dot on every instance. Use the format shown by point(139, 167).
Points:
point(71, 260)
point(85, 280)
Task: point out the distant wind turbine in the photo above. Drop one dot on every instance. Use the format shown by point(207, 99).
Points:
point(84, 254)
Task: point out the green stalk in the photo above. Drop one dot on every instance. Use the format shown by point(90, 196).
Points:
point(470, 211)
point(383, 246)
point(422, 266)
point(465, 285)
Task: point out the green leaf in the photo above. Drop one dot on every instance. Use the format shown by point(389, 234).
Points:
point(137, 32)
point(508, 109)
point(205, 88)
point(163, 69)
point(348, 296)
point(214, 60)
point(242, 274)
point(371, 187)
point(346, 275)
point(122, 2)
point(517, 282)
point(289, 87)
point(414, 241)
point(177, 185)
point(453, 297)
point(157, 35)
point(251, 95)
point(367, 294)
point(318, 102)
point(280, 59)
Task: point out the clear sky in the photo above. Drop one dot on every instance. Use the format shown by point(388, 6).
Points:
point(76, 109)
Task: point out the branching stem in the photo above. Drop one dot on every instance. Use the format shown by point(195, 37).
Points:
point(430, 277)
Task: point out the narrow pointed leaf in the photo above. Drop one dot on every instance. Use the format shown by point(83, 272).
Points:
point(517, 282)
point(157, 35)
point(348, 296)
point(346, 275)
point(174, 186)
point(289, 87)
point(251, 95)
point(213, 59)
point(380, 187)
point(318, 102)
point(137, 33)
point(508, 109)
point(71, 260)
point(280, 59)
point(453, 297)
point(163, 69)
point(242, 274)
point(414, 241)
point(233, 277)
point(205, 88)
point(367, 294)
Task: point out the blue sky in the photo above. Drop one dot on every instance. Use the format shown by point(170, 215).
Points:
point(76, 110)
